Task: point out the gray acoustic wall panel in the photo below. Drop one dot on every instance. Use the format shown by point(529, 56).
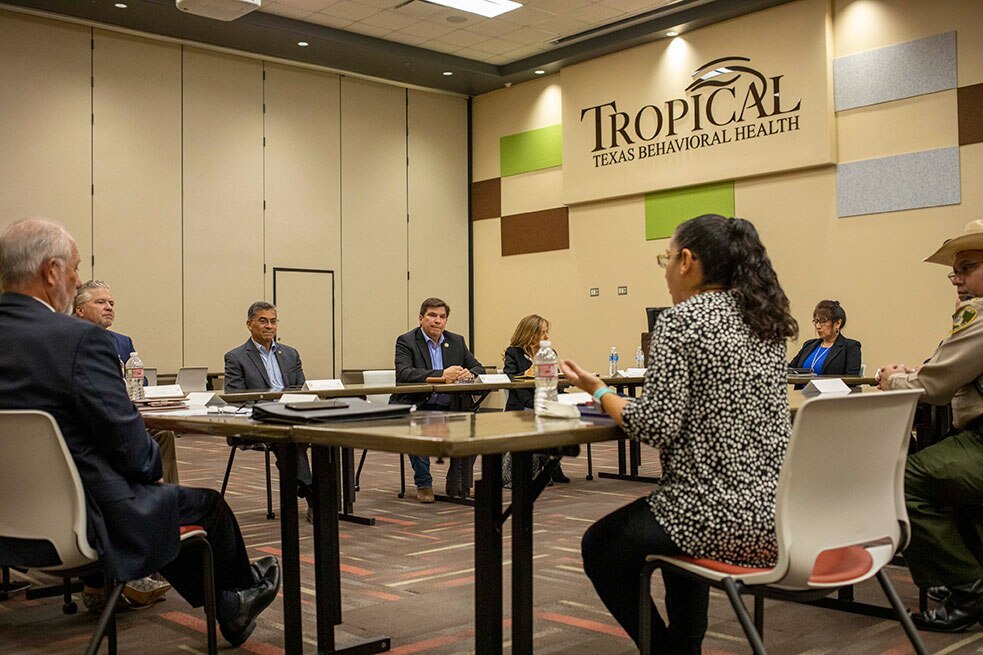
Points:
point(917, 179)
point(899, 71)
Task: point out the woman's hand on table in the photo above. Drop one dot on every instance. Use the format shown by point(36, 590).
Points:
point(580, 378)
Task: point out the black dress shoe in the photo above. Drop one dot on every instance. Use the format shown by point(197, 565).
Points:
point(237, 628)
point(938, 594)
point(960, 610)
point(557, 475)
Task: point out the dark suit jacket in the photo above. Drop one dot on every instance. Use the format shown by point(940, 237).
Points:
point(843, 359)
point(413, 361)
point(517, 363)
point(245, 370)
point(68, 368)
point(124, 345)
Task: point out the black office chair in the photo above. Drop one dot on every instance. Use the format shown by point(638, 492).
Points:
point(235, 444)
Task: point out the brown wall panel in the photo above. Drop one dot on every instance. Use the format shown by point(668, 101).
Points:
point(970, 100)
point(540, 231)
point(486, 199)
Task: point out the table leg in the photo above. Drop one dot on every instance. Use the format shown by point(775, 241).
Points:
point(522, 548)
point(488, 558)
point(293, 640)
point(348, 490)
point(327, 559)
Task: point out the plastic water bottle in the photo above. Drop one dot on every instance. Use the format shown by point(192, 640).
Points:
point(639, 358)
point(133, 372)
point(547, 368)
point(613, 362)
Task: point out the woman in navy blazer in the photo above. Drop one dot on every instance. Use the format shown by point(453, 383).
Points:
point(831, 353)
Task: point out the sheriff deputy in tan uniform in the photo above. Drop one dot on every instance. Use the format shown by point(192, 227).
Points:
point(944, 483)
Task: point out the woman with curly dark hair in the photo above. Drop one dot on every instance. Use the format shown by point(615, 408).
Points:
point(715, 405)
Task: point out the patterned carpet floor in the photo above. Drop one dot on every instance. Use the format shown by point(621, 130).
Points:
point(411, 577)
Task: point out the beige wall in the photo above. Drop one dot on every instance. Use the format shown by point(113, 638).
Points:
point(897, 306)
point(210, 169)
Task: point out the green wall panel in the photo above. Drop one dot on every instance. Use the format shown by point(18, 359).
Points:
point(667, 209)
point(531, 151)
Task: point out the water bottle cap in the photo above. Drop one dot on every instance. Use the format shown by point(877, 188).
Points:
point(545, 343)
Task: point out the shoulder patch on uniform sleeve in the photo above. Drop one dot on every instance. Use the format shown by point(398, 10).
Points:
point(963, 318)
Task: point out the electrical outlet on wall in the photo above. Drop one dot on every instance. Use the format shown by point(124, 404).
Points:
point(594, 292)
point(622, 291)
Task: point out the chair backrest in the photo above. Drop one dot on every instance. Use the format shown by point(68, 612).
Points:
point(842, 482)
point(192, 378)
point(150, 375)
point(380, 378)
point(32, 450)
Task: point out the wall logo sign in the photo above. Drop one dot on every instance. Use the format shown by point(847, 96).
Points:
point(728, 101)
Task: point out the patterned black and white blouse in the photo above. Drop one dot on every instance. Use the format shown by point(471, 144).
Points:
point(715, 404)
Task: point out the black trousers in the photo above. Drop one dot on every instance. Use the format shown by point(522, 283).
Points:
point(614, 551)
point(207, 508)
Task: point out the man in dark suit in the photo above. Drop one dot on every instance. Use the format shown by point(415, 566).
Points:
point(431, 352)
point(264, 363)
point(68, 368)
point(94, 303)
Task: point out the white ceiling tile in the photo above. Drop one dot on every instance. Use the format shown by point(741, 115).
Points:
point(528, 51)
point(309, 5)
point(560, 7)
point(329, 21)
point(596, 14)
point(463, 38)
point(440, 46)
point(497, 60)
point(390, 20)
point(349, 10)
point(635, 6)
point(562, 25)
point(496, 46)
point(418, 9)
point(408, 39)
point(285, 11)
point(525, 16)
point(368, 30)
point(428, 29)
point(379, 4)
point(528, 36)
point(492, 27)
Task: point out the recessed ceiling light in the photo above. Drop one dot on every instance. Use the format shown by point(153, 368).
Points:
point(486, 8)
point(448, 73)
point(540, 72)
point(673, 33)
point(120, 5)
point(303, 44)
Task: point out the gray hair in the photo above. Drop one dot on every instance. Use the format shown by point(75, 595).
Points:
point(26, 245)
point(257, 307)
point(84, 293)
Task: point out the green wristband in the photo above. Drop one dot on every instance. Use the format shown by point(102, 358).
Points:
point(600, 393)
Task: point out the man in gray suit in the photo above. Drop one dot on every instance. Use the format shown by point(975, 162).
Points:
point(263, 363)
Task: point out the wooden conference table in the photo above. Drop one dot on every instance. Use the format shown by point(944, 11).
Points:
point(446, 434)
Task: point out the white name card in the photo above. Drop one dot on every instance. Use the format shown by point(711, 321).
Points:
point(635, 373)
point(494, 378)
point(575, 398)
point(320, 385)
point(298, 398)
point(163, 391)
point(205, 399)
point(825, 386)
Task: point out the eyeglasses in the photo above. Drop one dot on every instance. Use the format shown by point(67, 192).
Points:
point(663, 260)
point(963, 270)
point(820, 321)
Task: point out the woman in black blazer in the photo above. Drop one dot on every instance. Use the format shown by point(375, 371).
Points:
point(518, 361)
point(831, 353)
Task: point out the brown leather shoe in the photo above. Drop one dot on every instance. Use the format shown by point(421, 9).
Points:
point(424, 494)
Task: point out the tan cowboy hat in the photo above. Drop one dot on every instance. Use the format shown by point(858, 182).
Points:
point(970, 239)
